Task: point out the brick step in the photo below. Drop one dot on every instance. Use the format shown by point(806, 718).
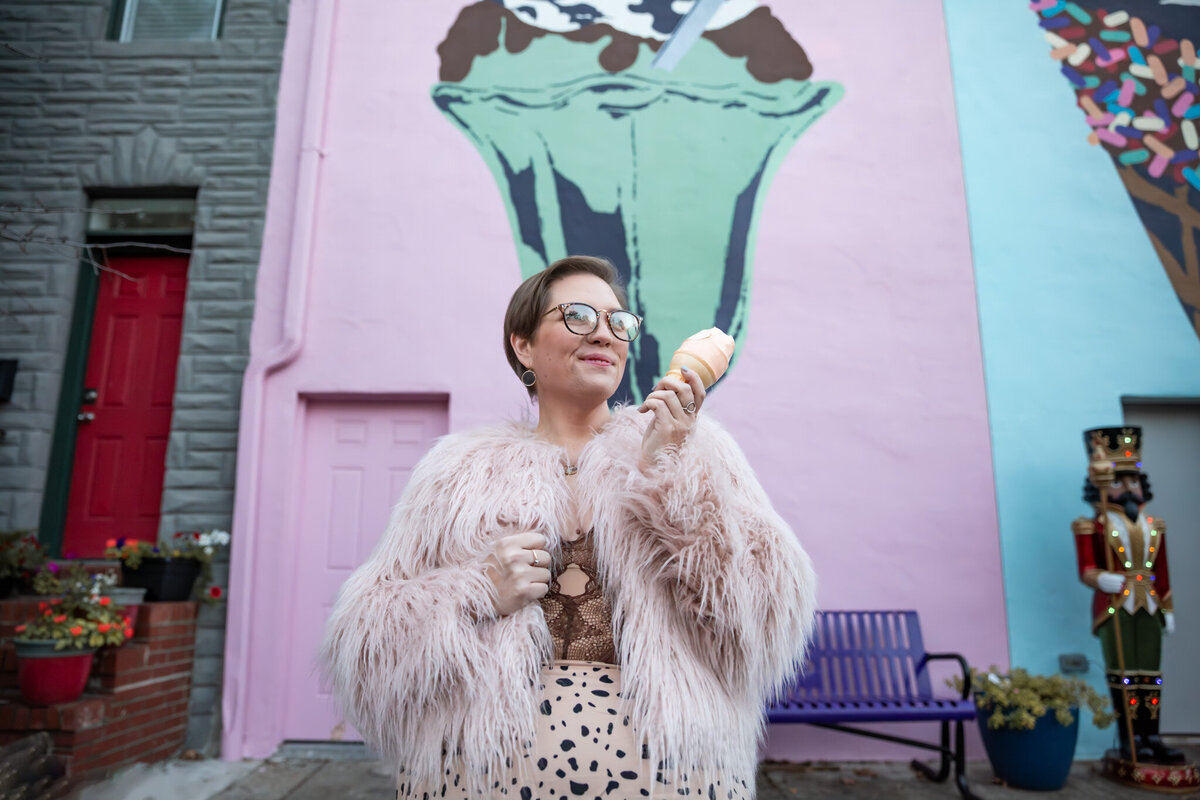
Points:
point(136, 704)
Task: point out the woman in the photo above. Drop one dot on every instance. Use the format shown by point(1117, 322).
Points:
point(598, 606)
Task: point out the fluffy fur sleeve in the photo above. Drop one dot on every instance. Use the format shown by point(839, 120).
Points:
point(413, 648)
point(733, 566)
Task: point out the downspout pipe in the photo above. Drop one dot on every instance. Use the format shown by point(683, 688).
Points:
point(247, 539)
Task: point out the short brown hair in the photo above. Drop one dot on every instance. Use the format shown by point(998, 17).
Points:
point(528, 302)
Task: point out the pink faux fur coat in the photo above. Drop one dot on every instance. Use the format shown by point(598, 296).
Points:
point(712, 600)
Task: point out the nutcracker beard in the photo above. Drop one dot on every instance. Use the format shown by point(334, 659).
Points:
point(1129, 502)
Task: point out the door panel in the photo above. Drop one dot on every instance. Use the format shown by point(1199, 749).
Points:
point(356, 460)
point(120, 453)
point(1170, 444)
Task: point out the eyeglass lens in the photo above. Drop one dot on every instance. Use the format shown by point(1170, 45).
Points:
point(582, 319)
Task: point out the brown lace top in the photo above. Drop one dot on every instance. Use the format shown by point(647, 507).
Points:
point(576, 609)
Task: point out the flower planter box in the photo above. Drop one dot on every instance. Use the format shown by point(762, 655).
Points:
point(47, 676)
point(164, 579)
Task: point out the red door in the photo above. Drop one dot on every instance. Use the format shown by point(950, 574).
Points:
point(121, 441)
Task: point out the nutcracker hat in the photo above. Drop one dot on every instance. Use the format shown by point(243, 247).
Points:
point(1122, 446)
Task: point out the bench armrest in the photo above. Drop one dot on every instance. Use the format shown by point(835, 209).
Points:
point(962, 662)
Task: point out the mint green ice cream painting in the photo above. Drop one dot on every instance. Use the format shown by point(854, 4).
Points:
point(598, 151)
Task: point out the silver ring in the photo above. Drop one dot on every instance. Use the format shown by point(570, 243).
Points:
point(690, 408)
point(536, 562)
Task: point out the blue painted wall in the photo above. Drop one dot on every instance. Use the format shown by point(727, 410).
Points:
point(1068, 286)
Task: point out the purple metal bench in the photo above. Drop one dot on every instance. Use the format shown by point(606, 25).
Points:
point(870, 666)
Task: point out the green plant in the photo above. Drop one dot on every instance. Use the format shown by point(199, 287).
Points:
point(1018, 699)
point(199, 546)
point(79, 615)
point(21, 554)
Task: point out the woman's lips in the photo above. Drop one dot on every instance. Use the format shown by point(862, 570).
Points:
point(598, 361)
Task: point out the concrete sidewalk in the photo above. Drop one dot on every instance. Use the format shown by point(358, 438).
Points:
point(346, 772)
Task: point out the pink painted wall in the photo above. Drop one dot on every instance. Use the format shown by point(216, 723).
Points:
point(859, 395)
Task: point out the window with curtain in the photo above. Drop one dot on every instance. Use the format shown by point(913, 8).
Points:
point(151, 20)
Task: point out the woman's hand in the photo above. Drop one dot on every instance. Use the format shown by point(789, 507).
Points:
point(674, 405)
point(519, 568)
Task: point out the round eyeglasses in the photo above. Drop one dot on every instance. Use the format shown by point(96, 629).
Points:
point(582, 319)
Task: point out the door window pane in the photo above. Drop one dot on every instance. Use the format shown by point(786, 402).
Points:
point(148, 20)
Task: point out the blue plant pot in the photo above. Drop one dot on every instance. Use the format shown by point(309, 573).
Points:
point(1038, 759)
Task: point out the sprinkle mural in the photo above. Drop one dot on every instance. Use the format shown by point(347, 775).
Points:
point(598, 151)
point(1133, 67)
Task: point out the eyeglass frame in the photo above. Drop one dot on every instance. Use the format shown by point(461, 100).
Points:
point(562, 307)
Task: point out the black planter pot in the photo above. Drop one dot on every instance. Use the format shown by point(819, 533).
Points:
point(164, 579)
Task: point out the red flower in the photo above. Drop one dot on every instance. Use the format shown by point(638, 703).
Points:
point(42, 606)
point(47, 613)
point(56, 601)
point(103, 627)
point(76, 630)
point(129, 633)
point(19, 629)
point(196, 534)
point(105, 601)
point(215, 592)
point(61, 618)
point(111, 543)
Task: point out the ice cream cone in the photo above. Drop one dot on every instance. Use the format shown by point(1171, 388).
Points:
point(706, 353)
point(589, 142)
point(1135, 80)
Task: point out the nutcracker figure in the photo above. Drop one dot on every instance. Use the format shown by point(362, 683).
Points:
point(1122, 555)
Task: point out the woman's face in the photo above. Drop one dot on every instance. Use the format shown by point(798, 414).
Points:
point(569, 367)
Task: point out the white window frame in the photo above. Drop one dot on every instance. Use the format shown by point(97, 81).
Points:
point(129, 13)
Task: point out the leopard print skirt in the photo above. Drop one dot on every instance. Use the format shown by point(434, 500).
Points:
point(585, 748)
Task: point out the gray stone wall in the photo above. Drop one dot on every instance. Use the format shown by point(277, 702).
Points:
point(78, 113)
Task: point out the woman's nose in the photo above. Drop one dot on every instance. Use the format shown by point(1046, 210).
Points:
point(602, 333)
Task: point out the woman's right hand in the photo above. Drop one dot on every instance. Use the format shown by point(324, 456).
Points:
point(511, 568)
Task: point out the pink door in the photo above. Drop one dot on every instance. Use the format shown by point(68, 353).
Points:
point(356, 460)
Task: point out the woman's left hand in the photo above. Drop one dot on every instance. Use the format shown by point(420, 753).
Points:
point(674, 405)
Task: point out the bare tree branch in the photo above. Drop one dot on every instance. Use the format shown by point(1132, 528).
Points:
point(21, 52)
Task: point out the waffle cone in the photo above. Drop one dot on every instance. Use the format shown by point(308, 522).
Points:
point(696, 364)
point(1184, 277)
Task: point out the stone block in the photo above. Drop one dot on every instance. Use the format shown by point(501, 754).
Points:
point(210, 641)
point(180, 53)
point(225, 96)
point(207, 670)
point(212, 382)
point(208, 343)
point(205, 419)
point(191, 478)
point(65, 98)
point(84, 81)
point(200, 441)
point(179, 501)
point(145, 114)
point(242, 309)
point(203, 697)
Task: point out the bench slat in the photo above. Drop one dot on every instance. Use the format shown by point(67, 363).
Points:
point(865, 656)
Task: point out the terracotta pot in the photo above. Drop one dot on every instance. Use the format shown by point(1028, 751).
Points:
point(47, 676)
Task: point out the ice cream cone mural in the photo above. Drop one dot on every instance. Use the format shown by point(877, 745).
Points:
point(598, 152)
point(1133, 66)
